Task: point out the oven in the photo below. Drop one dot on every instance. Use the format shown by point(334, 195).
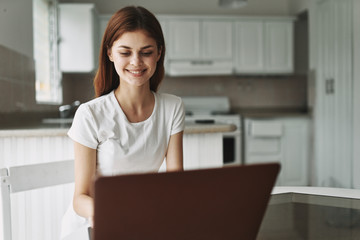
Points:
point(216, 110)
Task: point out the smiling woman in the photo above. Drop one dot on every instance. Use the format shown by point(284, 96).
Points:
point(129, 127)
point(48, 77)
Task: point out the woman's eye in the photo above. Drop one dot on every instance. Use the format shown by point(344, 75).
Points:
point(146, 53)
point(125, 54)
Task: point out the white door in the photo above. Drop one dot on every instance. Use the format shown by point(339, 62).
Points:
point(333, 102)
point(217, 40)
point(184, 39)
point(249, 46)
point(279, 47)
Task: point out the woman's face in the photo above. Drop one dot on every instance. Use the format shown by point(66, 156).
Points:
point(135, 56)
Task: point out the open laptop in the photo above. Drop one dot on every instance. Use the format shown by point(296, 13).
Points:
point(225, 203)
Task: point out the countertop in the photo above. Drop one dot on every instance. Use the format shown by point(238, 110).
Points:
point(62, 129)
point(272, 112)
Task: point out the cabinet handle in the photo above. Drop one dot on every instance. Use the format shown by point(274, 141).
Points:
point(329, 86)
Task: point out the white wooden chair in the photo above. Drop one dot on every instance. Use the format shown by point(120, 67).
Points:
point(29, 177)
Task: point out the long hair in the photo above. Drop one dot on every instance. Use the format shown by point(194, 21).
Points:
point(127, 19)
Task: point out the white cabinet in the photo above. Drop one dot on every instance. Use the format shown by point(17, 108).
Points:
point(249, 47)
point(201, 151)
point(264, 46)
point(184, 39)
point(283, 140)
point(198, 46)
point(78, 32)
point(333, 122)
point(200, 39)
point(217, 40)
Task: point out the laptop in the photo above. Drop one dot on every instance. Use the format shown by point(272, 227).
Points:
point(224, 203)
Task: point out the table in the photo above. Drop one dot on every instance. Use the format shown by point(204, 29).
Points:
point(312, 213)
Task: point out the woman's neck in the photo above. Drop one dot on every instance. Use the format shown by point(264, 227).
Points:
point(136, 103)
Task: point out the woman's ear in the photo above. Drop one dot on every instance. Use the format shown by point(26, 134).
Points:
point(110, 54)
point(159, 54)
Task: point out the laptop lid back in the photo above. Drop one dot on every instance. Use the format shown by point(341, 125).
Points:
point(225, 203)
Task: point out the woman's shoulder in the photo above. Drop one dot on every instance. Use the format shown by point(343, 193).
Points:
point(97, 106)
point(99, 102)
point(169, 98)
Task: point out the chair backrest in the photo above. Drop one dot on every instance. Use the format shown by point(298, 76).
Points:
point(29, 177)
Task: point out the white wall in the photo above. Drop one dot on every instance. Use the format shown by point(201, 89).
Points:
point(254, 7)
point(16, 25)
point(356, 99)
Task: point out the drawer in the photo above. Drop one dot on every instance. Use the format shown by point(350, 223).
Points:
point(264, 145)
point(266, 129)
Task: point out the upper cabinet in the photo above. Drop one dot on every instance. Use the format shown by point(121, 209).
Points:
point(198, 46)
point(200, 40)
point(210, 45)
point(264, 46)
point(79, 41)
point(184, 39)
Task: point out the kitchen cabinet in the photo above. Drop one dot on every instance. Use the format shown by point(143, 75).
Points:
point(264, 46)
point(200, 39)
point(198, 46)
point(283, 140)
point(184, 39)
point(331, 42)
point(201, 150)
point(79, 41)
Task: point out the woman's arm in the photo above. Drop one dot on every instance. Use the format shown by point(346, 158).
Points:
point(85, 168)
point(174, 155)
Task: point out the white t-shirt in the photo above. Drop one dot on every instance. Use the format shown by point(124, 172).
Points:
point(122, 146)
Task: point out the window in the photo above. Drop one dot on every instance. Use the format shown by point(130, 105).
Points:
point(48, 76)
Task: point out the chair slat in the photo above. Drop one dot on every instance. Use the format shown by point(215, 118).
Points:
point(28, 177)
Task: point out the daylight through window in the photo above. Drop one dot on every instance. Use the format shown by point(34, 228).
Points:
point(48, 76)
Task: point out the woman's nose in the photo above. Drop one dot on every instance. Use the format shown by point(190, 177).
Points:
point(136, 60)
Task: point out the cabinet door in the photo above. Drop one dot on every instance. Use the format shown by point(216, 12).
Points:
point(78, 37)
point(278, 47)
point(184, 39)
point(295, 153)
point(249, 47)
point(217, 40)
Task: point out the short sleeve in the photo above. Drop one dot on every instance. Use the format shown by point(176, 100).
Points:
point(83, 129)
point(178, 123)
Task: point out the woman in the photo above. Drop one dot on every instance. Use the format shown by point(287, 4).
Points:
point(128, 127)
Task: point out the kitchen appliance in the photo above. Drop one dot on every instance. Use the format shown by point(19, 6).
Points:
point(216, 110)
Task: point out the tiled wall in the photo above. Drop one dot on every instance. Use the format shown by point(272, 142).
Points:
point(244, 92)
point(17, 83)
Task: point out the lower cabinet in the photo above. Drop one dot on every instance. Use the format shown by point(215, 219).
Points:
point(283, 140)
point(201, 150)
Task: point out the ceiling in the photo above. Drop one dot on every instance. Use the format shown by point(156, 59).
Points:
point(202, 7)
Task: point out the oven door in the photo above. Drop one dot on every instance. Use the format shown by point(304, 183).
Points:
point(232, 148)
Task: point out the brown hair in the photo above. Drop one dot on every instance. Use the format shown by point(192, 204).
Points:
point(127, 19)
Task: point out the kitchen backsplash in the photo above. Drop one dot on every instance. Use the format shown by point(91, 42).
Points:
point(287, 92)
point(245, 92)
point(17, 87)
